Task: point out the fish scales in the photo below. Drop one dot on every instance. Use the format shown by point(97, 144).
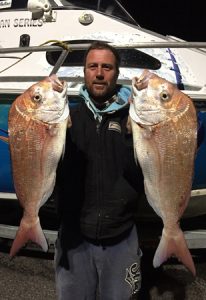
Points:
point(166, 151)
point(37, 127)
point(33, 159)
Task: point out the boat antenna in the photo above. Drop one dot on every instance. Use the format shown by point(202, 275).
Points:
point(98, 4)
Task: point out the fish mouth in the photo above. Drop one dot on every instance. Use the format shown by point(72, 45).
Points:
point(141, 82)
point(57, 84)
point(145, 117)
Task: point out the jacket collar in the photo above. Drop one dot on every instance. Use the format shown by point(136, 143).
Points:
point(120, 101)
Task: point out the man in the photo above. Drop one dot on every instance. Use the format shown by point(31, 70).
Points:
point(99, 184)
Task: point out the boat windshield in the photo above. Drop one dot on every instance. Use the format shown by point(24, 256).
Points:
point(112, 8)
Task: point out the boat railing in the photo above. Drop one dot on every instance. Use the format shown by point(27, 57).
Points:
point(73, 47)
point(66, 47)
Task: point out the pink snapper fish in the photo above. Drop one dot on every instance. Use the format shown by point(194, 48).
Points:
point(37, 124)
point(164, 127)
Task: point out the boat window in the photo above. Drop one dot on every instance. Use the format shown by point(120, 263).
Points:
point(130, 58)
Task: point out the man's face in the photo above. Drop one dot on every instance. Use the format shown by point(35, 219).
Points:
point(100, 74)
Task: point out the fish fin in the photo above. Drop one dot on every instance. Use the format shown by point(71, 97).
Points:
point(4, 139)
point(63, 151)
point(129, 125)
point(173, 246)
point(27, 233)
point(69, 122)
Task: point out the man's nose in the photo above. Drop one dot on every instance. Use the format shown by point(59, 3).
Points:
point(100, 74)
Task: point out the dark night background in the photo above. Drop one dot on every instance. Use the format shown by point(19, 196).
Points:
point(184, 19)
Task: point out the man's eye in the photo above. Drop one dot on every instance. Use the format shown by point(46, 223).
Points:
point(92, 67)
point(108, 67)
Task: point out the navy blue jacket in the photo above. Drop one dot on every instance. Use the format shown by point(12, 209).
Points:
point(98, 180)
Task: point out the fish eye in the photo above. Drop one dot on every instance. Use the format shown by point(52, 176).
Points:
point(164, 96)
point(37, 97)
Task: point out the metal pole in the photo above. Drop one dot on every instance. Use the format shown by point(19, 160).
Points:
point(74, 47)
point(59, 62)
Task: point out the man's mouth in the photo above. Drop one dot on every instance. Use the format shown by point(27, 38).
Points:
point(99, 85)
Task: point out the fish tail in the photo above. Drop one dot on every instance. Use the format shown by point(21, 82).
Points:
point(26, 233)
point(173, 246)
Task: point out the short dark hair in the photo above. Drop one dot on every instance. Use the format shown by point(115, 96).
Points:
point(103, 45)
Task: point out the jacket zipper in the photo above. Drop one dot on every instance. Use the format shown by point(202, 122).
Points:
point(97, 126)
point(99, 178)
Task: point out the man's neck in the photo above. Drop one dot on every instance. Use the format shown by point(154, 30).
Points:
point(102, 105)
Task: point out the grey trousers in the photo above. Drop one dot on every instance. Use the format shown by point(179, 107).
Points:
point(112, 272)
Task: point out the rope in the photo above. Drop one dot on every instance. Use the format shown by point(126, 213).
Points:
point(60, 43)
